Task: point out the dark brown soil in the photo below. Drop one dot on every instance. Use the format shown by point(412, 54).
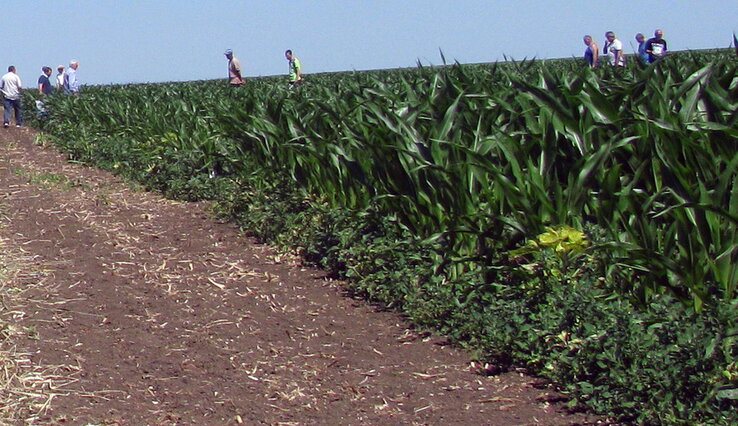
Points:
point(160, 314)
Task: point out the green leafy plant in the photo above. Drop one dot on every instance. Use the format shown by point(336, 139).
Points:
point(422, 186)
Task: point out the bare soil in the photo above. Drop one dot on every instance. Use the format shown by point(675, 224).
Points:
point(152, 312)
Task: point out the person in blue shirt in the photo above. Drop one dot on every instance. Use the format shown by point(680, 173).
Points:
point(44, 84)
point(44, 88)
point(642, 55)
point(71, 84)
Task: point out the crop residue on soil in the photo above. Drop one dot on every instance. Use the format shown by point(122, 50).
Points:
point(151, 312)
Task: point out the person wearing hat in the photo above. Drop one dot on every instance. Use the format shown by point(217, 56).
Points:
point(60, 77)
point(234, 69)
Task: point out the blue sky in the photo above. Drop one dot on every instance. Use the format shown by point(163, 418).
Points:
point(179, 40)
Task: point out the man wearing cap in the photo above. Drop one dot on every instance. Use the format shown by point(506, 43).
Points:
point(60, 77)
point(234, 69)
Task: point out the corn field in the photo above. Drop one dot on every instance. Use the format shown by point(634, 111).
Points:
point(579, 222)
point(478, 158)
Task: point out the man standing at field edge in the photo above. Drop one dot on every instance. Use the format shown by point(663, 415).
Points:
point(295, 68)
point(71, 84)
point(10, 86)
point(60, 77)
point(234, 69)
point(614, 50)
point(44, 84)
point(656, 46)
point(642, 55)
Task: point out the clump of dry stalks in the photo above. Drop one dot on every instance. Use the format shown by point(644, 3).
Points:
point(26, 389)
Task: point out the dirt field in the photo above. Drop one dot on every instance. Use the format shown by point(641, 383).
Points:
point(147, 311)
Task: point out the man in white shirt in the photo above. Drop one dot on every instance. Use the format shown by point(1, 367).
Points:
point(614, 49)
point(10, 86)
point(71, 84)
point(60, 78)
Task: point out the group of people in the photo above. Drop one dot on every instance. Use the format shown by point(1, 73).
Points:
point(11, 86)
point(235, 79)
point(649, 51)
point(65, 82)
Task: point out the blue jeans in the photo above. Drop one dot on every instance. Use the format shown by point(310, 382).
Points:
point(15, 104)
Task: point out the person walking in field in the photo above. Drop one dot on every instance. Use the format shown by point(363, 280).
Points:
point(44, 88)
point(592, 52)
point(614, 50)
point(234, 70)
point(60, 77)
point(295, 68)
point(642, 55)
point(44, 84)
point(10, 86)
point(656, 46)
point(71, 83)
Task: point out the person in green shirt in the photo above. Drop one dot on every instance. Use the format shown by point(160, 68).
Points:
point(295, 69)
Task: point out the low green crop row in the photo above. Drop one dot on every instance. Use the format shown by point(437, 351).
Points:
point(556, 317)
point(580, 223)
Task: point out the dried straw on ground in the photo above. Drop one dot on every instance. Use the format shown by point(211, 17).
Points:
point(26, 389)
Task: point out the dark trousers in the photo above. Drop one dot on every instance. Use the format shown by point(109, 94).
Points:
point(15, 104)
